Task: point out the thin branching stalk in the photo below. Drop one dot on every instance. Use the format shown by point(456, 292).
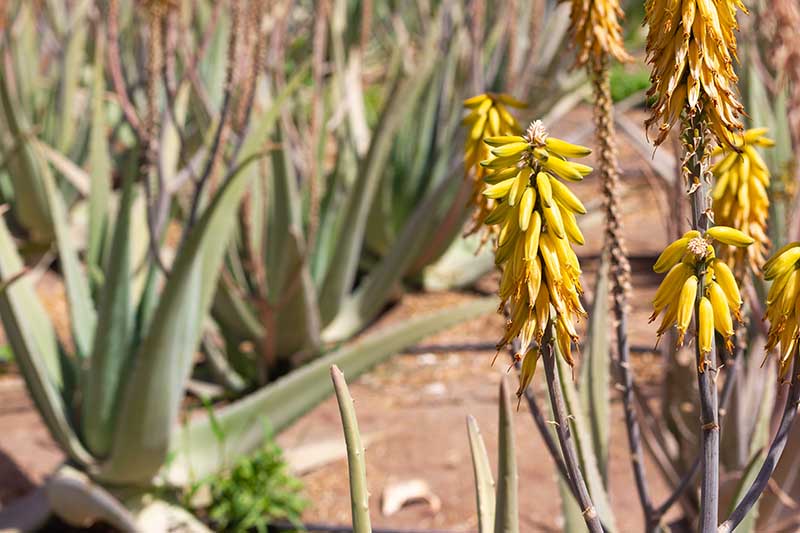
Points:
point(320, 43)
point(695, 165)
point(115, 69)
point(564, 433)
point(688, 477)
point(773, 455)
point(477, 10)
point(620, 269)
point(541, 423)
point(223, 126)
point(544, 432)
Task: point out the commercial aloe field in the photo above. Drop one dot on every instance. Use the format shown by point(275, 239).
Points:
point(432, 266)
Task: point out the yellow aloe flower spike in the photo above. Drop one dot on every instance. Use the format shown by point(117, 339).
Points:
point(534, 219)
point(740, 196)
point(692, 265)
point(783, 308)
point(488, 118)
point(691, 45)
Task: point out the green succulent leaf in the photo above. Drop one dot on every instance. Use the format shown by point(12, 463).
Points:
point(484, 482)
point(36, 351)
point(506, 518)
point(152, 396)
point(595, 378)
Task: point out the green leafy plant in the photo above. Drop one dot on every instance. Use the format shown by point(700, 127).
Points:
point(253, 493)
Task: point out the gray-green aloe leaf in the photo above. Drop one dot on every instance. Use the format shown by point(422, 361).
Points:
point(33, 341)
point(83, 317)
point(506, 517)
point(112, 341)
point(484, 482)
point(594, 382)
point(99, 161)
point(153, 391)
point(341, 275)
point(25, 169)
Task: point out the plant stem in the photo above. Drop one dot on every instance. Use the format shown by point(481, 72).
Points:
point(699, 194)
point(565, 436)
point(541, 423)
point(773, 456)
point(620, 269)
point(359, 494)
point(690, 474)
point(506, 518)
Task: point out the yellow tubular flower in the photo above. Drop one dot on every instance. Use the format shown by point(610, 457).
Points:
point(705, 326)
point(692, 265)
point(691, 45)
point(488, 116)
point(597, 31)
point(740, 195)
point(534, 213)
point(783, 305)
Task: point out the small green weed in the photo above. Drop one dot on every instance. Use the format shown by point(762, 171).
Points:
point(252, 494)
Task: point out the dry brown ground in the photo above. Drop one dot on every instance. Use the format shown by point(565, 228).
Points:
point(415, 405)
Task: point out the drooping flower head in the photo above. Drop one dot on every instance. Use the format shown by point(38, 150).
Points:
point(488, 116)
point(691, 265)
point(596, 30)
point(535, 213)
point(691, 45)
point(740, 195)
point(783, 303)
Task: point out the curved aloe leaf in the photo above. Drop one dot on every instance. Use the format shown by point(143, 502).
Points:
point(113, 335)
point(484, 483)
point(25, 169)
point(363, 305)
point(570, 510)
point(344, 262)
point(356, 463)
point(506, 518)
point(594, 382)
point(291, 286)
point(151, 398)
point(195, 452)
point(81, 307)
point(71, 68)
point(36, 350)
point(99, 158)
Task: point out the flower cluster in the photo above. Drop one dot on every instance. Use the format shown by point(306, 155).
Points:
point(740, 195)
point(535, 215)
point(692, 266)
point(488, 117)
point(691, 45)
point(783, 302)
point(597, 31)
